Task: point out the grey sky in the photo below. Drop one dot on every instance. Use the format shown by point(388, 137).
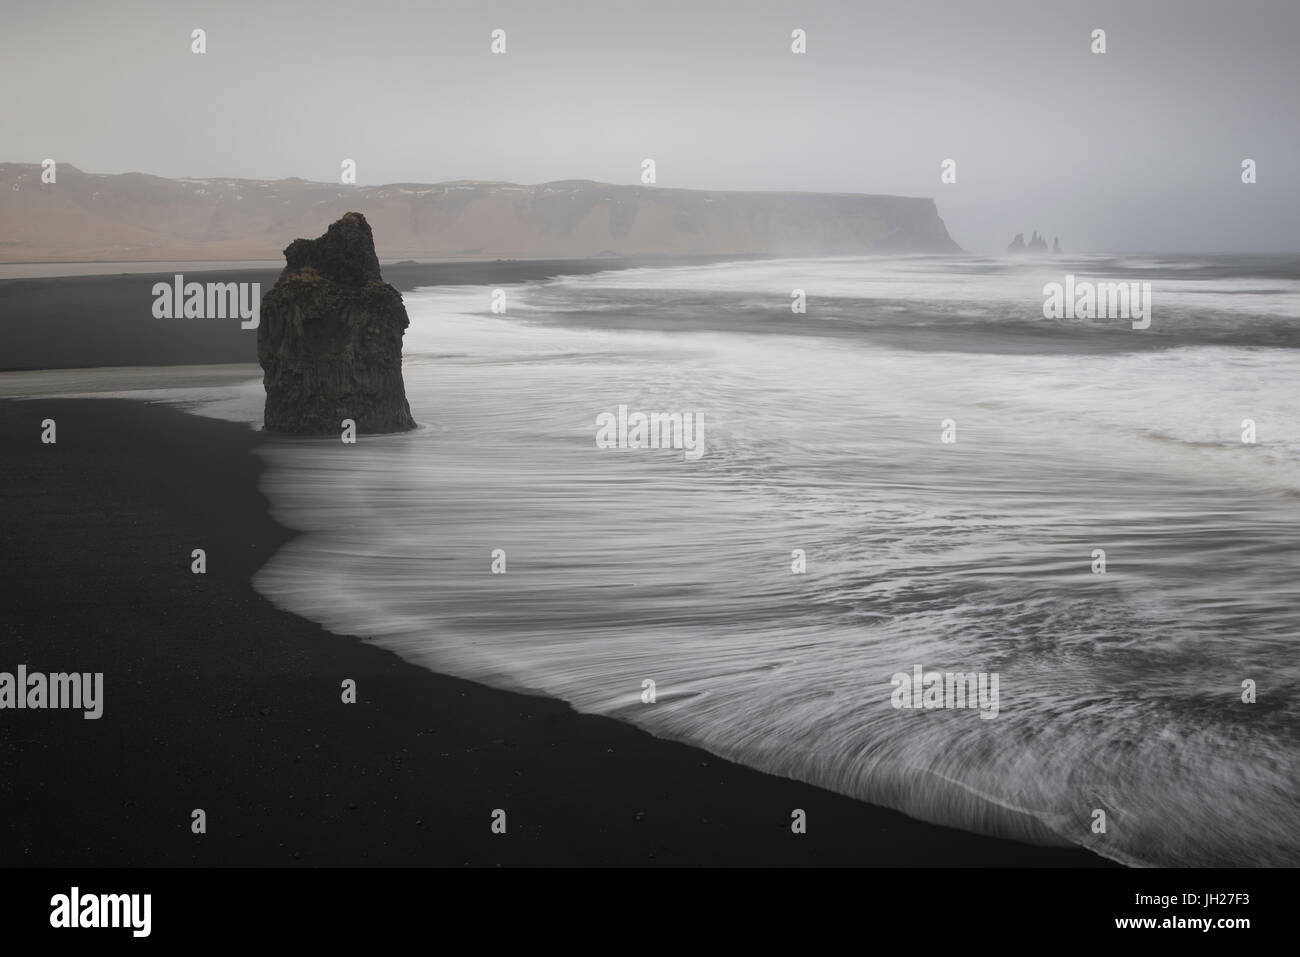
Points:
point(1137, 149)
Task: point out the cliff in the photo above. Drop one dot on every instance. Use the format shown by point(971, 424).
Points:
point(330, 338)
point(133, 217)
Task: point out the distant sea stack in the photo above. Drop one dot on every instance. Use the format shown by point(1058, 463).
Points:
point(330, 338)
point(1037, 245)
point(133, 217)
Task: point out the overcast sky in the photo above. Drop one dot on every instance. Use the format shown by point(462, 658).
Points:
point(1136, 149)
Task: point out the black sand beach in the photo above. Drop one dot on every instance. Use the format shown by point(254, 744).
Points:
point(214, 699)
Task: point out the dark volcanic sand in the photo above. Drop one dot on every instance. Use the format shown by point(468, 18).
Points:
point(216, 700)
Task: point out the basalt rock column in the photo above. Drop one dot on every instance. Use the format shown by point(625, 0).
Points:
point(330, 338)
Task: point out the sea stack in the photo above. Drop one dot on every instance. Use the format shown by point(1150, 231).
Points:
point(330, 338)
point(1037, 245)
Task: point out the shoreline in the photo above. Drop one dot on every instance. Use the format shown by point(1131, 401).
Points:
point(106, 320)
point(215, 699)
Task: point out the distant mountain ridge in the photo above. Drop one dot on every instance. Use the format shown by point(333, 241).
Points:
point(85, 217)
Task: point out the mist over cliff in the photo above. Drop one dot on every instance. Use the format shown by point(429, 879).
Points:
point(136, 217)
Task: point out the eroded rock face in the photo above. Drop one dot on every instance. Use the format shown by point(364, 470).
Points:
point(330, 338)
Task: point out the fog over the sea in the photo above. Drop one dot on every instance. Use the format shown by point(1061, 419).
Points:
point(1138, 149)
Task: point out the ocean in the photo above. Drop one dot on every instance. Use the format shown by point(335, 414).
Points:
point(829, 538)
